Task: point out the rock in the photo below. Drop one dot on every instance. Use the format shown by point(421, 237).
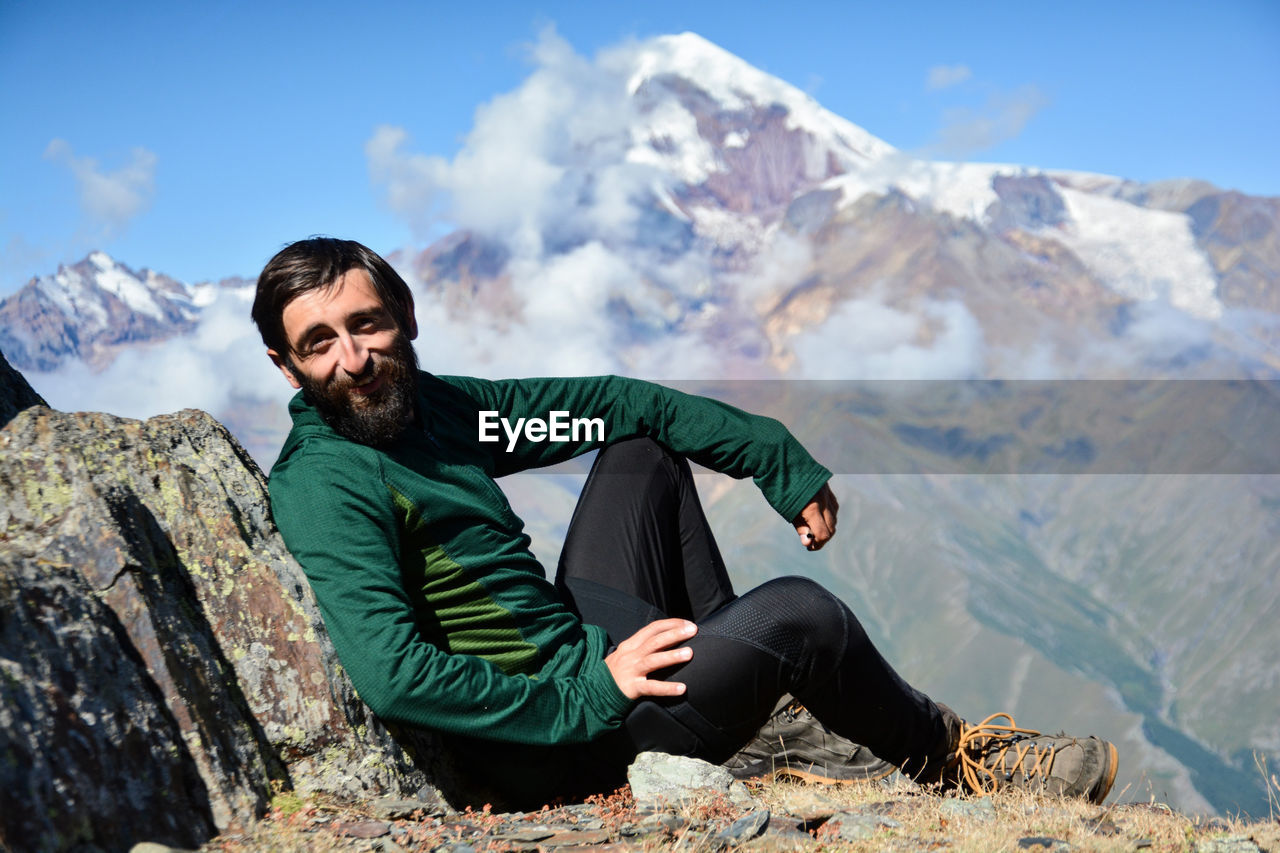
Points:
point(981, 809)
point(163, 664)
point(661, 822)
point(1042, 842)
point(361, 828)
point(744, 828)
point(788, 839)
point(658, 779)
point(1228, 844)
point(391, 808)
point(854, 826)
point(806, 803)
point(575, 837)
point(15, 393)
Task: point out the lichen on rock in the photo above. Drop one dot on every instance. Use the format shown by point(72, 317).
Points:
point(163, 663)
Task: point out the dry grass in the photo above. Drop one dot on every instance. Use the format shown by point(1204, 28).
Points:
point(1014, 818)
point(902, 819)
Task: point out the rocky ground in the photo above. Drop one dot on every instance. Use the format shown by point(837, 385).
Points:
point(675, 803)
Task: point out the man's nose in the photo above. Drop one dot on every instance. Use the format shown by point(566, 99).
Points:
point(353, 356)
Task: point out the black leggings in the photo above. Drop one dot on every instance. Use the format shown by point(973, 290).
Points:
point(639, 548)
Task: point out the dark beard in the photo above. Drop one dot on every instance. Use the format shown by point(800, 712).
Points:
point(378, 418)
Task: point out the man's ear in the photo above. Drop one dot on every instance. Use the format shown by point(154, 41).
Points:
point(282, 363)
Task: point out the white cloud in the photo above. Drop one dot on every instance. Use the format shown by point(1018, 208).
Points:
point(220, 366)
point(413, 183)
point(966, 131)
point(946, 76)
point(549, 173)
point(545, 162)
point(110, 199)
point(867, 339)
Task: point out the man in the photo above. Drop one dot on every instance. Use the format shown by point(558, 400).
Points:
point(385, 493)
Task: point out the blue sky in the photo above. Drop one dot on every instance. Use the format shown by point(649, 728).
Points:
point(196, 138)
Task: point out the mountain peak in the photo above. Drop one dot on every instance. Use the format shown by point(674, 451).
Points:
point(88, 309)
point(736, 86)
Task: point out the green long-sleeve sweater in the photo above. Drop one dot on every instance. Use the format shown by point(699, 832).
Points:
point(439, 611)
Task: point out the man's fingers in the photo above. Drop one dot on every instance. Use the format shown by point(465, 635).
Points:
point(661, 634)
point(817, 521)
point(648, 650)
point(662, 660)
point(653, 687)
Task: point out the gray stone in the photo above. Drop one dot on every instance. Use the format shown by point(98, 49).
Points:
point(781, 839)
point(805, 802)
point(658, 779)
point(386, 845)
point(163, 664)
point(981, 809)
point(392, 808)
point(1228, 844)
point(853, 826)
point(661, 822)
point(744, 828)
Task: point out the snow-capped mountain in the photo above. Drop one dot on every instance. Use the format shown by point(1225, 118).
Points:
point(89, 310)
point(718, 204)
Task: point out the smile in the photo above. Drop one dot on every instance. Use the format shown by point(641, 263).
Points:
point(371, 386)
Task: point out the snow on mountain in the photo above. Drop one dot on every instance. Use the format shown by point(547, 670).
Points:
point(714, 207)
point(736, 87)
point(88, 310)
point(1140, 253)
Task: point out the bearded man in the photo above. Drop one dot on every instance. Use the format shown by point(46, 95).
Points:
point(444, 619)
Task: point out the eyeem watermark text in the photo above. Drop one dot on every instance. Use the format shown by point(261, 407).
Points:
point(557, 427)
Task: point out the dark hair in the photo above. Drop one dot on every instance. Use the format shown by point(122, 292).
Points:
point(318, 262)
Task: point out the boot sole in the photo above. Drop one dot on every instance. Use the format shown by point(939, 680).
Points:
point(814, 777)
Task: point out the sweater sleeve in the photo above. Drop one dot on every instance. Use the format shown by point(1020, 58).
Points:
point(344, 534)
point(713, 434)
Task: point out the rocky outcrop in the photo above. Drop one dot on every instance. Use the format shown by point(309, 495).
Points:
point(15, 393)
point(163, 666)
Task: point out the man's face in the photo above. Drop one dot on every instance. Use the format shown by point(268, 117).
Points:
point(350, 358)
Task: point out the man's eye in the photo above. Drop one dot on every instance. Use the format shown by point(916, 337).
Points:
point(316, 347)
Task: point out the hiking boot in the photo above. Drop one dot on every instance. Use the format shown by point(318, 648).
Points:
point(992, 755)
point(794, 744)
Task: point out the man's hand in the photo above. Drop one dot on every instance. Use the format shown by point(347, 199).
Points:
point(647, 650)
point(816, 523)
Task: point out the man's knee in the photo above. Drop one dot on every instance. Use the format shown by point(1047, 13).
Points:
point(634, 456)
point(804, 602)
point(794, 617)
